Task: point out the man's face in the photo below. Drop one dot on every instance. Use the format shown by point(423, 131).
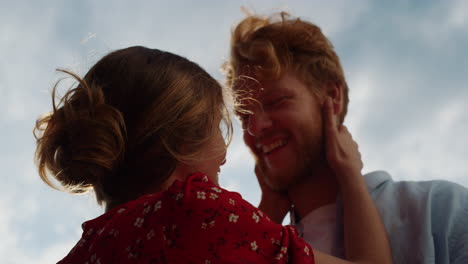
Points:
point(283, 129)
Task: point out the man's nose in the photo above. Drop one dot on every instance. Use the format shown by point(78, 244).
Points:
point(258, 121)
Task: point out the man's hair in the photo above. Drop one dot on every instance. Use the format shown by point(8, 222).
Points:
point(267, 47)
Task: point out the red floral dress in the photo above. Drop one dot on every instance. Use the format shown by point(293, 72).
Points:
point(192, 222)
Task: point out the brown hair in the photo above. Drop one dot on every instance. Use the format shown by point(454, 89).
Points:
point(266, 47)
point(120, 131)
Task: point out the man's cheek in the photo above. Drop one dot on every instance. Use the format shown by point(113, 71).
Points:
point(249, 141)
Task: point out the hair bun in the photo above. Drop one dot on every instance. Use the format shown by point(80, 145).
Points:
point(81, 141)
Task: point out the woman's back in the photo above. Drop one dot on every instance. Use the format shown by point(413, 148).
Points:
point(192, 222)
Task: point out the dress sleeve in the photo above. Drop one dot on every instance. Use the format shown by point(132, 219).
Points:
point(214, 225)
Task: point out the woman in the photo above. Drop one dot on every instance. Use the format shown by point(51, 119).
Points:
point(141, 130)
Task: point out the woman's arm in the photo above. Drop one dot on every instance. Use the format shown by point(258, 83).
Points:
point(365, 238)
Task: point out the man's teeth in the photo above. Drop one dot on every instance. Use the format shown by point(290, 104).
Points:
point(269, 148)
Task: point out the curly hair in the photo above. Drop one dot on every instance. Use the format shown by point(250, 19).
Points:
point(267, 47)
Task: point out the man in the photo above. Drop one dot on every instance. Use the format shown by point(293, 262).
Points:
point(282, 71)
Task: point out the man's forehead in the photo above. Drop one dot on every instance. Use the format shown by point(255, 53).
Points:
point(250, 86)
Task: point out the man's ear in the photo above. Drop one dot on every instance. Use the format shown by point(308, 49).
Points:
point(335, 92)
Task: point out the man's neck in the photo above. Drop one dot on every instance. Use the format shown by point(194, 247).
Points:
point(314, 192)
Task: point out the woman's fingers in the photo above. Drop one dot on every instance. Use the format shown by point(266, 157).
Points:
point(330, 118)
point(331, 128)
point(341, 149)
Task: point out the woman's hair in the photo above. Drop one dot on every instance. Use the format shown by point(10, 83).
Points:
point(267, 47)
point(126, 124)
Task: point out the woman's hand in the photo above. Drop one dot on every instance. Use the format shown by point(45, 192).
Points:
point(341, 150)
point(365, 238)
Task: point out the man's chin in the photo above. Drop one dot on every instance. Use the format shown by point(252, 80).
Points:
point(283, 179)
point(278, 182)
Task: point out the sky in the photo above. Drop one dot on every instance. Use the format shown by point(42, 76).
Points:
point(405, 62)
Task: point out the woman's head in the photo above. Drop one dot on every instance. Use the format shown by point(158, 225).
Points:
point(129, 122)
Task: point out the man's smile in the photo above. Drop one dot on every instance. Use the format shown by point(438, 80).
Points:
point(267, 148)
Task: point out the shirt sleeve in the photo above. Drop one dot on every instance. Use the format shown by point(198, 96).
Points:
point(214, 225)
point(455, 202)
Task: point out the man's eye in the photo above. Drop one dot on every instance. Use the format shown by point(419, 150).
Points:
point(276, 101)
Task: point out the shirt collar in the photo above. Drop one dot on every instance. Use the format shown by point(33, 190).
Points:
point(376, 178)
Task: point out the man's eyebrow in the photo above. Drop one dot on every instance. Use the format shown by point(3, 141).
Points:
point(274, 91)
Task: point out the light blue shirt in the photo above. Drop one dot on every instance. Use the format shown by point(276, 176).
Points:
point(426, 221)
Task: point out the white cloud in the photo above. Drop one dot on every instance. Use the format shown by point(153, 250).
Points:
point(433, 149)
point(458, 14)
point(413, 136)
point(54, 252)
point(333, 17)
point(361, 92)
point(9, 241)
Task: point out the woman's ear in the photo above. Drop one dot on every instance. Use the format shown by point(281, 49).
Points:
point(335, 92)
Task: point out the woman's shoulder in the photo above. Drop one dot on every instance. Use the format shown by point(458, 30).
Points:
point(197, 197)
point(199, 191)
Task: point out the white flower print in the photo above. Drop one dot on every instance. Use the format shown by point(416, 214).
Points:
point(203, 225)
point(90, 231)
point(101, 230)
point(121, 210)
point(306, 250)
point(114, 232)
point(213, 196)
point(82, 242)
point(146, 209)
point(284, 250)
point(255, 217)
point(179, 196)
point(260, 213)
point(205, 179)
point(232, 202)
point(216, 189)
point(254, 245)
point(279, 256)
point(212, 223)
point(233, 218)
point(94, 260)
point(139, 222)
point(275, 242)
point(157, 206)
point(207, 262)
point(201, 195)
point(150, 234)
